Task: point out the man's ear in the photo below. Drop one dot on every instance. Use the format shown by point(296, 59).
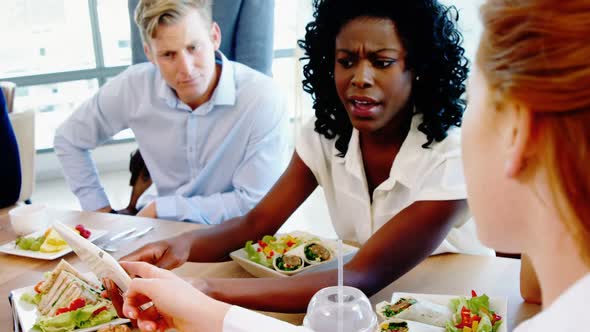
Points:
point(518, 137)
point(148, 52)
point(215, 34)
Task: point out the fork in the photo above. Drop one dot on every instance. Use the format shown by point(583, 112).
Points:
point(139, 234)
point(107, 248)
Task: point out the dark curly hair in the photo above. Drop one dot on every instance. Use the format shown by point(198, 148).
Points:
point(429, 34)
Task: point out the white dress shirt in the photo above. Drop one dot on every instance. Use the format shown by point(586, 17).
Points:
point(417, 174)
point(239, 319)
point(208, 164)
point(568, 313)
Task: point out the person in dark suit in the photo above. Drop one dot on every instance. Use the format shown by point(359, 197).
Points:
point(10, 174)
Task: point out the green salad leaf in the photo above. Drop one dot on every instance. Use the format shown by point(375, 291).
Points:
point(255, 256)
point(264, 250)
point(81, 318)
point(30, 298)
point(479, 306)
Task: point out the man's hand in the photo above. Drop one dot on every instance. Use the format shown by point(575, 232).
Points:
point(149, 211)
point(106, 209)
point(167, 254)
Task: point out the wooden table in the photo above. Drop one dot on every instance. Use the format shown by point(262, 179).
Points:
point(444, 274)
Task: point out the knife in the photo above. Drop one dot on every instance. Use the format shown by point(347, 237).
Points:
point(123, 233)
point(140, 234)
point(97, 260)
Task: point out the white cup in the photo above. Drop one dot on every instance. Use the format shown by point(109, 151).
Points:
point(26, 219)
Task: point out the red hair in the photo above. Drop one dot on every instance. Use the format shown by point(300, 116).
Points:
point(537, 52)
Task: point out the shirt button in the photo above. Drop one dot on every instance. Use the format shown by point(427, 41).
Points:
point(190, 149)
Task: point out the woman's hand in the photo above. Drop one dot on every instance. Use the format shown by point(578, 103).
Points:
point(178, 304)
point(167, 254)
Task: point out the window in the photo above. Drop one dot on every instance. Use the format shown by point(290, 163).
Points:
point(469, 23)
point(114, 31)
point(37, 37)
point(290, 19)
point(59, 52)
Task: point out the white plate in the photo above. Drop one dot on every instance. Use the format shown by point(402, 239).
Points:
point(11, 248)
point(241, 257)
point(28, 313)
point(498, 304)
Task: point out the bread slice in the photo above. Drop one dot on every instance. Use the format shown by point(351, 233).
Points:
point(64, 285)
point(62, 266)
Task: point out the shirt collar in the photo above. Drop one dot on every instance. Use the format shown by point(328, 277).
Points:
point(409, 165)
point(225, 91)
point(223, 94)
point(412, 160)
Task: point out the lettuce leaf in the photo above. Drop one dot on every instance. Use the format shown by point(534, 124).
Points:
point(479, 305)
point(62, 323)
point(451, 328)
point(103, 317)
point(30, 298)
point(255, 256)
point(276, 245)
point(485, 324)
point(80, 318)
point(475, 303)
point(497, 325)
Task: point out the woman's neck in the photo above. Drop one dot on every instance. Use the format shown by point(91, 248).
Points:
point(557, 263)
point(393, 134)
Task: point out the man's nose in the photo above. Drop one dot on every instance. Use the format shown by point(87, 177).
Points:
point(184, 63)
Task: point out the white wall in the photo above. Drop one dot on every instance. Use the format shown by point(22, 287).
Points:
point(108, 158)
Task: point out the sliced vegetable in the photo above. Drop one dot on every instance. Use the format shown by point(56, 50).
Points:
point(265, 249)
point(473, 315)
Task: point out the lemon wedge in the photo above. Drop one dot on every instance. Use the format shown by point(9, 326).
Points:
point(53, 242)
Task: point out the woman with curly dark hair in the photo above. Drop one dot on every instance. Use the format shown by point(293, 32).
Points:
point(386, 78)
point(432, 58)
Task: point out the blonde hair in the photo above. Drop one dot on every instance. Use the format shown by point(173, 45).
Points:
point(149, 14)
point(538, 53)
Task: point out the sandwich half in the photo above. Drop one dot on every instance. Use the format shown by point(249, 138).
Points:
point(66, 300)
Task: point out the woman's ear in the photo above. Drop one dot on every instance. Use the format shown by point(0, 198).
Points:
point(518, 137)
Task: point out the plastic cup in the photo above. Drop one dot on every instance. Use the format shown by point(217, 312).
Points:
point(356, 312)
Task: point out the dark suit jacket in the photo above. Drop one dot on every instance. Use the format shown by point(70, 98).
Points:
point(247, 28)
point(10, 175)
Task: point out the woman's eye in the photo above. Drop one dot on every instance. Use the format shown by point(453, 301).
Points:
point(383, 63)
point(345, 63)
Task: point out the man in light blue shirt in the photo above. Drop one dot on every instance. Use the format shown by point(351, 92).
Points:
point(211, 131)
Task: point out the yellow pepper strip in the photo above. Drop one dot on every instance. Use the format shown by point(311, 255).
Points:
point(466, 329)
point(474, 326)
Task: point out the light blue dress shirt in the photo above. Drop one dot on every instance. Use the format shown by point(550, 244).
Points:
point(208, 165)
